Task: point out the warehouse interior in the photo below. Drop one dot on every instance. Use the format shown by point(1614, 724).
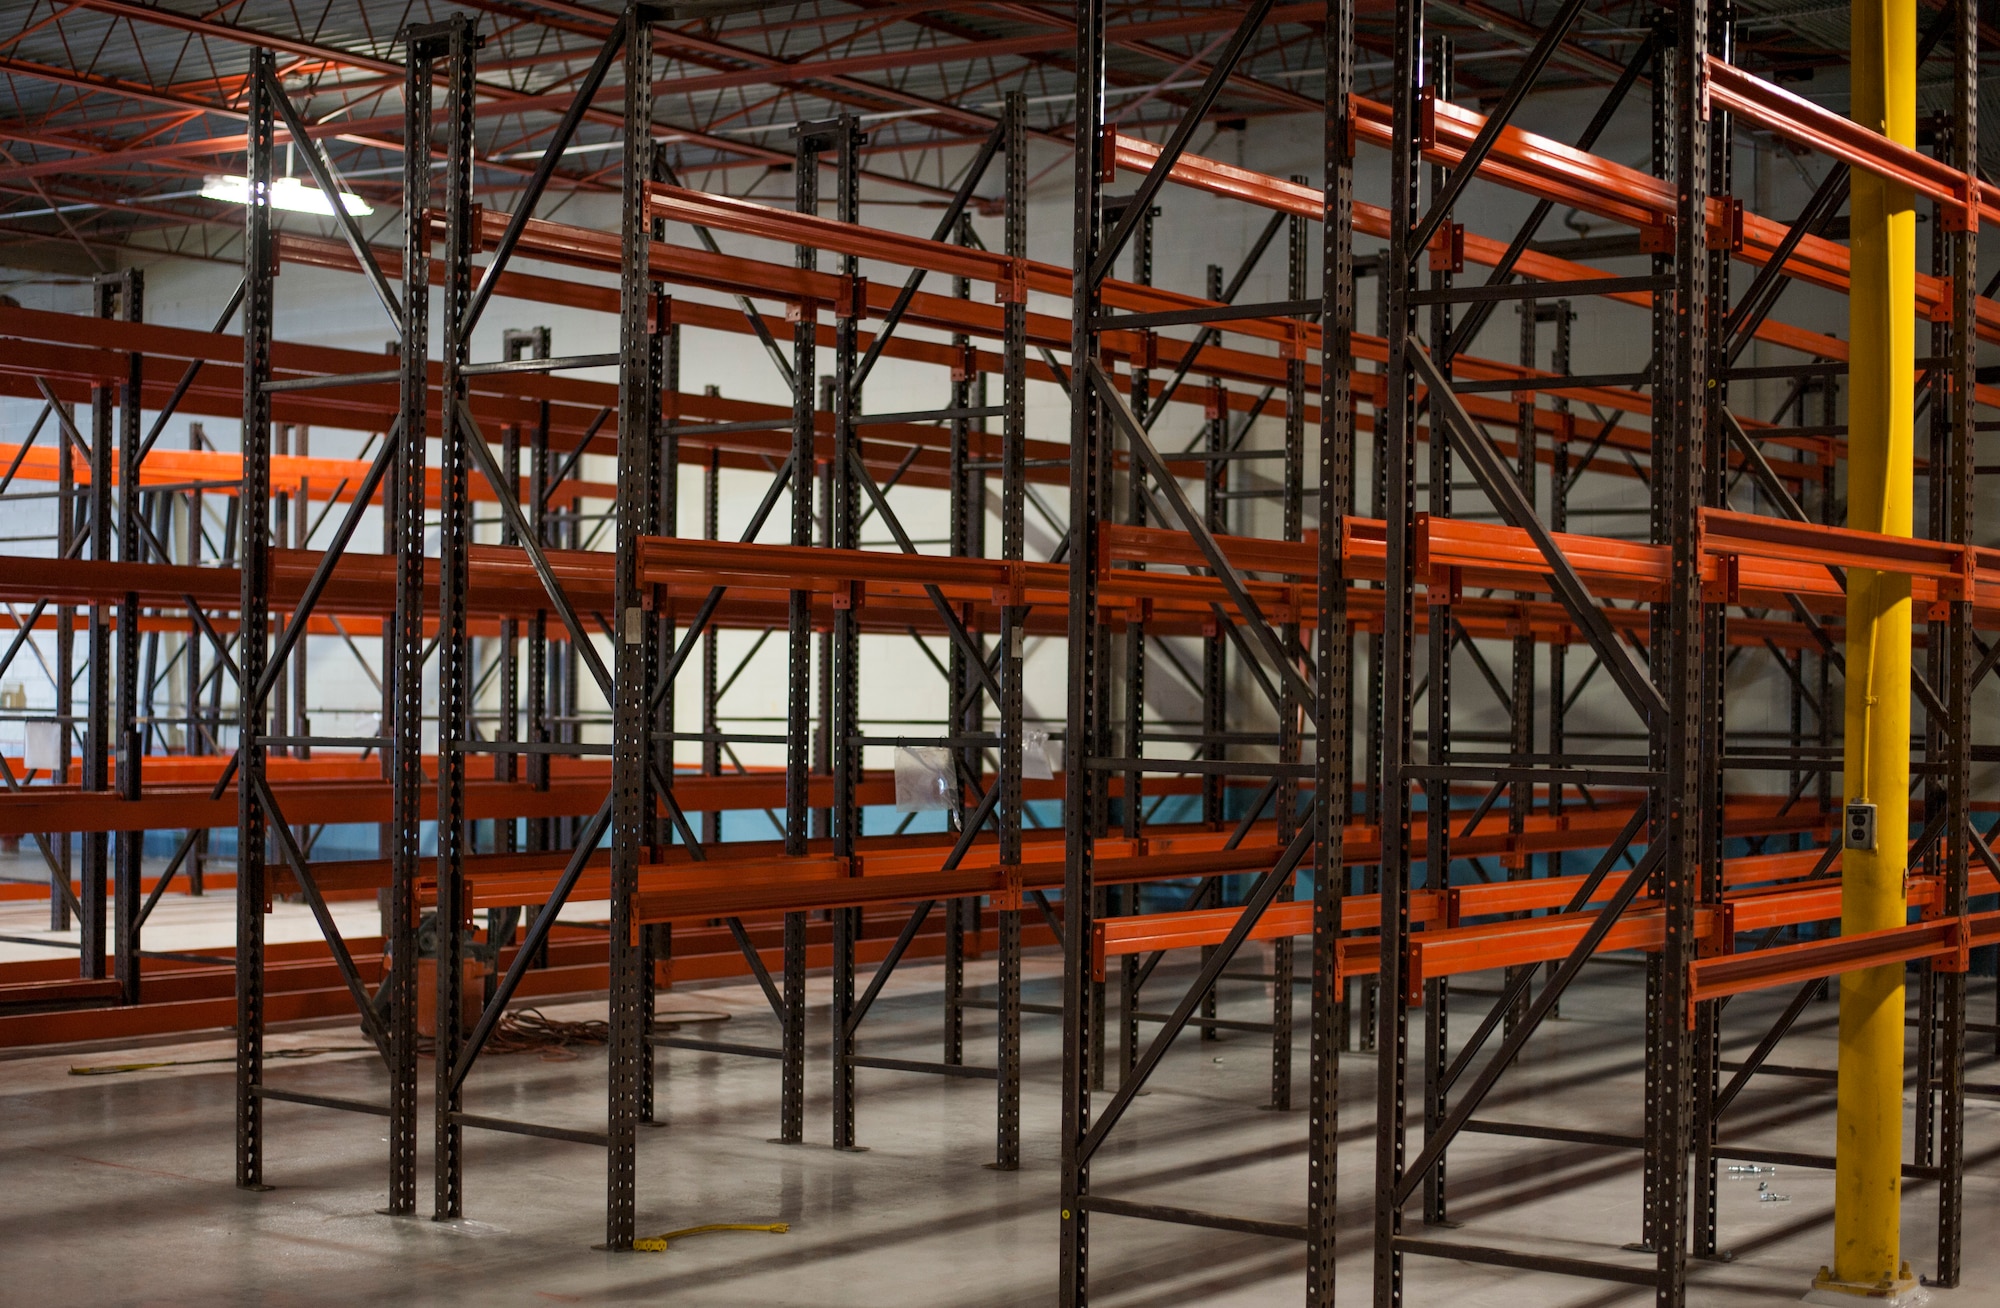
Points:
point(882, 652)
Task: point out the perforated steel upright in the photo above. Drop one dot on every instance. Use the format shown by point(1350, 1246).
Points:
point(1333, 747)
point(798, 655)
point(1295, 708)
point(1013, 627)
point(844, 713)
point(1705, 1047)
point(1440, 636)
point(98, 661)
point(253, 562)
point(403, 668)
point(636, 658)
point(1080, 784)
point(1098, 410)
point(453, 44)
point(125, 708)
point(1957, 472)
point(1679, 648)
point(1398, 423)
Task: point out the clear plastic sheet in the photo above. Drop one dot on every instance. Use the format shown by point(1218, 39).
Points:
point(44, 750)
point(1035, 764)
point(925, 779)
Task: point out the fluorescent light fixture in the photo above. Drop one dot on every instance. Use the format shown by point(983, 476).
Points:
point(593, 148)
point(286, 193)
point(598, 147)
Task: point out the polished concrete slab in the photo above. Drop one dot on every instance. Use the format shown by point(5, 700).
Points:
point(117, 1188)
point(179, 923)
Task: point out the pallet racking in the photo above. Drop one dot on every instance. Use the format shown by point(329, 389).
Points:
point(1698, 449)
point(1306, 635)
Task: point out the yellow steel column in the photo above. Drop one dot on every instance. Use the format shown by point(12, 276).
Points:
point(1882, 335)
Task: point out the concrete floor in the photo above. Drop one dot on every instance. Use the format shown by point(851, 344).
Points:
point(118, 1188)
point(179, 923)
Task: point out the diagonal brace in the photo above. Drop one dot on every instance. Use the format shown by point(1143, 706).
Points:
point(1767, 480)
point(1519, 985)
point(510, 506)
point(1500, 486)
point(1177, 141)
point(1261, 896)
point(576, 455)
point(1191, 520)
point(1778, 1031)
point(975, 658)
point(531, 944)
point(750, 314)
point(1496, 122)
point(692, 636)
point(887, 966)
point(974, 173)
point(1209, 335)
point(1503, 272)
point(192, 371)
point(370, 1019)
point(274, 669)
point(1607, 917)
point(695, 849)
point(64, 421)
point(214, 638)
point(329, 186)
point(757, 968)
point(524, 207)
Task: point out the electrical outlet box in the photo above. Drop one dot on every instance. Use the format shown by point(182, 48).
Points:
point(1861, 828)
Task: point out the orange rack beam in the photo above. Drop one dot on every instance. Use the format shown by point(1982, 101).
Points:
point(1445, 948)
point(1549, 169)
point(1945, 941)
point(1444, 910)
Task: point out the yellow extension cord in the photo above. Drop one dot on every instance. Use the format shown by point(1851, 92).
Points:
point(658, 1244)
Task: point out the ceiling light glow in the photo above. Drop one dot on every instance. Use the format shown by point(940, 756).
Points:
point(286, 193)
